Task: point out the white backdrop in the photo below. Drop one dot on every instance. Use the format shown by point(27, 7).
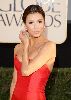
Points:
point(11, 22)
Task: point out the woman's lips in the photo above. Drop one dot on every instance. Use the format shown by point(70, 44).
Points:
point(36, 32)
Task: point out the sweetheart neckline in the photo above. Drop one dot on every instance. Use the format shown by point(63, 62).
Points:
point(30, 59)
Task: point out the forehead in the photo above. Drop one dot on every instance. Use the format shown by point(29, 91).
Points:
point(35, 16)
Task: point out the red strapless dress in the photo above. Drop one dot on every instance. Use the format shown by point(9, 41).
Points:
point(30, 87)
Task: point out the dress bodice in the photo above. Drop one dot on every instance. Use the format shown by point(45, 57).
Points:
point(34, 83)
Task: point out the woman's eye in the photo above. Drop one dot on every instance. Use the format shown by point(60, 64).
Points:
point(40, 21)
point(30, 22)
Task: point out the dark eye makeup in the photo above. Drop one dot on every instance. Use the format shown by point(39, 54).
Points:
point(40, 21)
point(33, 22)
point(30, 22)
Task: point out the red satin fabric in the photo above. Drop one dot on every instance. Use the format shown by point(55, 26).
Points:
point(30, 87)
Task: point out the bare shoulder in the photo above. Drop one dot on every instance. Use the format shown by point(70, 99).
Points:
point(50, 48)
point(49, 45)
point(16, 48)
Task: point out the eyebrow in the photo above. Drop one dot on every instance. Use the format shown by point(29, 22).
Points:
point(38, 20)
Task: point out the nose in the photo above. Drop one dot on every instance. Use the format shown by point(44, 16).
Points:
point(36, 25)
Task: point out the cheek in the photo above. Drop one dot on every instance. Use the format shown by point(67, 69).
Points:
point(29, 26)
point(30, 30)
point(41, 27)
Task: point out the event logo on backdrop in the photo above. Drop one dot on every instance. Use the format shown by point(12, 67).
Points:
point(11, 19)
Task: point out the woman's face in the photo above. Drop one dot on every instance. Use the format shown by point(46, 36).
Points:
point(35, 24)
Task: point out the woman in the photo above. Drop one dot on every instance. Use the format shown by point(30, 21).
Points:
point(33, 58)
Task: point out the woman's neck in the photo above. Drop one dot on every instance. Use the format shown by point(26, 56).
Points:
point(36, 40)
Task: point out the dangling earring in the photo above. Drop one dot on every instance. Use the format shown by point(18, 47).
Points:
point(27, 33)
point(26, 29)
point(44, 31)
point(44, 27)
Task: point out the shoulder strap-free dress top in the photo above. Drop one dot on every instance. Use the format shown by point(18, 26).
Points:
point(30, 87)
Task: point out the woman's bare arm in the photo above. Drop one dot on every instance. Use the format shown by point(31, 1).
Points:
point(50, 64)
point(46, 53)
point(14, 77)
point(13, 83)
